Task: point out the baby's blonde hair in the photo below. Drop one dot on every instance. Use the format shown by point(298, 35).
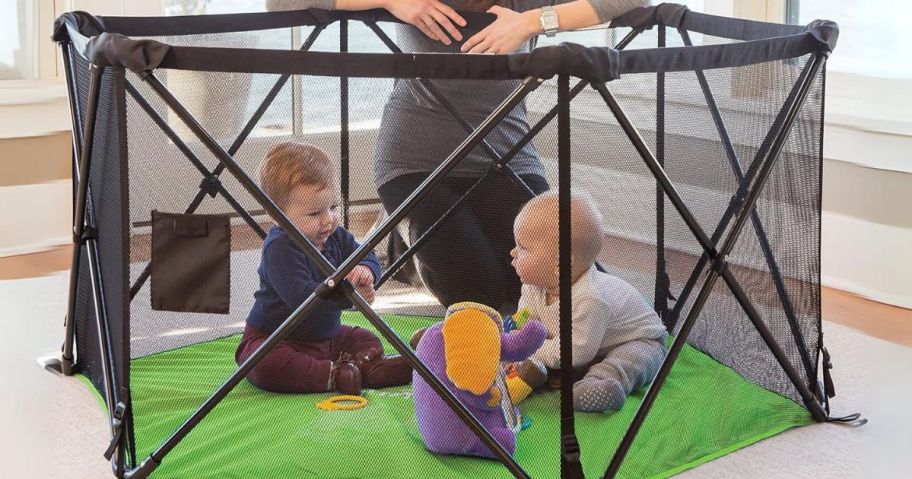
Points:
point(292, 164)
point(586, 232)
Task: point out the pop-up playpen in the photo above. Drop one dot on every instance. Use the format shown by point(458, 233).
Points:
point(698, 137)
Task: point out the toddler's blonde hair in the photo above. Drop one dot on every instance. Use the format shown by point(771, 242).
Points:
point(292, 164)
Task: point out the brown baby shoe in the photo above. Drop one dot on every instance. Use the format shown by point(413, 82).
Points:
point(345, 376)
point(379, 371)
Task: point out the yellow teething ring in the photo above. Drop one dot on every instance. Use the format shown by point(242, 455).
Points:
point(337, 403)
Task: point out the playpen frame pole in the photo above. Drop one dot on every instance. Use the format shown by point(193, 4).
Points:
point(67, 357)
point(154, 459)
point(661, 291)
point(719, 269)
point(188, 153)
point(655, 168)
point(416, 245)
point(80, 176)
point(571, 468)
point(107, 359)
point(80, 207)
point(344, 134)
point(772, 264)
point(235, 146)
point(741, 218)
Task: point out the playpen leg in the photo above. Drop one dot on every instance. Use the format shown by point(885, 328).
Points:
point(661, 291)
point(571, 468)
point(67, 357)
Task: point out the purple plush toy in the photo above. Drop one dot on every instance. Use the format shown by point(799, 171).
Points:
point(465, 351)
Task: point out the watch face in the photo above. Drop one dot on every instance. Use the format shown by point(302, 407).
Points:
point(549, 21)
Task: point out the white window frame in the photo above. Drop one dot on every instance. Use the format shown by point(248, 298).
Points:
point(867, 118)
point(38, 106)
point(48, 66)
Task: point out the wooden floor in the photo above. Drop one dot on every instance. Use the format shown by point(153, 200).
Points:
point(870, 317)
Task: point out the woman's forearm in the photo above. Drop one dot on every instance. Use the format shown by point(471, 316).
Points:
point(607, 10)
point(353, 5)
point(578, 14)
point(350, 5)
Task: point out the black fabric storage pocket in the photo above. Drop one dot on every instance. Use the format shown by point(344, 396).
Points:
point(191, 270)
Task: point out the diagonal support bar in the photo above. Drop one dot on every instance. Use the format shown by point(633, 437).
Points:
point(719, 269)
point(738, 197)
point(407, 255)
point(67, 358)
point(188, 153)
point(652, 163)
point(765, 246)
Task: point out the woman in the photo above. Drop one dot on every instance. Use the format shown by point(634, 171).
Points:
point(467, 258)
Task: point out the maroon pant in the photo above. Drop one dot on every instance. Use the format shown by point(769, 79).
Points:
point(301, 367)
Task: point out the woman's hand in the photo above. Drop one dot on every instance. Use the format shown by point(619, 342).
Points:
point(506, 35)
point(432, 17)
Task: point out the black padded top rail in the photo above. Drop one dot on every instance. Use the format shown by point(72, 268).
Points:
point(110, 45)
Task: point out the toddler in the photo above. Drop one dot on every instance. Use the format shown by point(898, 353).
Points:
point(320, 354)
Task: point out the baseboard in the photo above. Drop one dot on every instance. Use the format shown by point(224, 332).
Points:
point(865, 292)
point(869, 259)
point(36, 247)
point(35, 217)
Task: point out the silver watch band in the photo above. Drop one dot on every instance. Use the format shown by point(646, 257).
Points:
point(549, 21)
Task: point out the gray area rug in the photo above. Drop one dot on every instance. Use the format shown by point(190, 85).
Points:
point(54, 428)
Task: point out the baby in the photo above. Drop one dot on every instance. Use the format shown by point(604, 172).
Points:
point(320, 354)
point(618, 339)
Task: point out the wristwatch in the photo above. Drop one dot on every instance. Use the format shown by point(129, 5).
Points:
point(548, 20)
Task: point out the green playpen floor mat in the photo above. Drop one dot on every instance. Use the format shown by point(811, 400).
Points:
point(705, 410)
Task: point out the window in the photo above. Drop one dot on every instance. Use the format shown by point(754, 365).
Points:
point(18, 48)
point(202, 7)
point(872, 40)
point(32, 94)
point(869, 77)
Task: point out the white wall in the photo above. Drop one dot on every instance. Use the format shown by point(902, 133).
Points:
point(867, 258)
point(34, 217)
